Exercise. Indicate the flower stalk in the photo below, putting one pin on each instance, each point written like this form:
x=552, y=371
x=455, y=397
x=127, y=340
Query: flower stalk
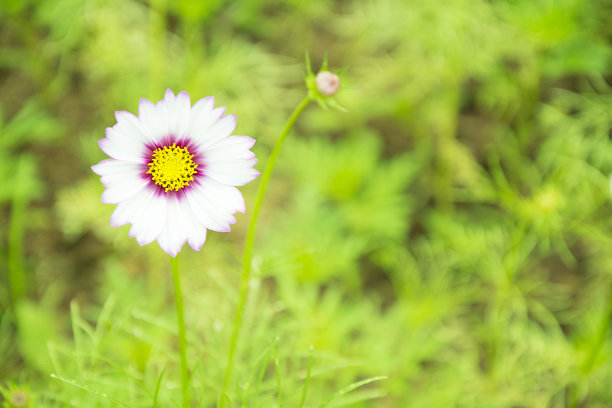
x=19, y=202
x=250, y=239
x=180, y=318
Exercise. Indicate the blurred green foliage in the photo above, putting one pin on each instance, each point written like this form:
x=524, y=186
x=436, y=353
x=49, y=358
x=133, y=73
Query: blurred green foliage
x=451, y=231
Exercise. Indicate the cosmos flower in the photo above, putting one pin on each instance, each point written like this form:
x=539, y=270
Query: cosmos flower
x=173, y=170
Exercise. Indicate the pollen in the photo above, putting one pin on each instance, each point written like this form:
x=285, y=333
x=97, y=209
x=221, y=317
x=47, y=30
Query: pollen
x=172, y=167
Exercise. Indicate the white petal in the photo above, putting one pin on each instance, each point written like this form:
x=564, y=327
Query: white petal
x=229, y=161
x=122, y=179
x=169, y=95
x=232, y=173
x=202, y=108
x=196, y=242
x=208, y=215
x=196, y=232
x=126, y=211
x=182, y=112
x=178, y=109
x=222, y=128
x=109, y=169
x=153, y=119
x=202, y=117
x=126, y=140
x=232, y=148
x=181, y=226
x=206, y=128
x=223, y=196
x=148, y=222
x=169, y=240
x=214, y=204
x=130, y=122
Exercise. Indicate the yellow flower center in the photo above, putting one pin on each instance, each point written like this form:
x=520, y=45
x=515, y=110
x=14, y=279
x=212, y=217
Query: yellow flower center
x=172, y=167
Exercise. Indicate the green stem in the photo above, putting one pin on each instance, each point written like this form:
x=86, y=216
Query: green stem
x=250, y=239
x=17, y=280
x=178, y=296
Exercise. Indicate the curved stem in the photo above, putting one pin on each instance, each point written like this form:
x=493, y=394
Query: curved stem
x=250, y=239
x=178, y=297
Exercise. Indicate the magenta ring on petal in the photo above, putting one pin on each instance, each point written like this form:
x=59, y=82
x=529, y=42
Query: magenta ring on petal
x=173, y=171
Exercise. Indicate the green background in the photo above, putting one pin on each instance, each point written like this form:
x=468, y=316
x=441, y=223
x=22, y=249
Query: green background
x=451, y=231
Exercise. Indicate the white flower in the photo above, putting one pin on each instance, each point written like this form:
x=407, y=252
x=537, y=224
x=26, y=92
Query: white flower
x=173, y=171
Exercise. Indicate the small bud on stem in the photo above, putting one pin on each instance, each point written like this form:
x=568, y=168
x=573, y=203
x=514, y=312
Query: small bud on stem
x=327, y=83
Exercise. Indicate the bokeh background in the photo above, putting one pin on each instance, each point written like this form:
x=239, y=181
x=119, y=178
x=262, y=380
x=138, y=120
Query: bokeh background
x=451, y=231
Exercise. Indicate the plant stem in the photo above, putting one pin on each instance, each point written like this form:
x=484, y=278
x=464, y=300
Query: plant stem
x=250, y=239
x=178, y=297
x=19, y=202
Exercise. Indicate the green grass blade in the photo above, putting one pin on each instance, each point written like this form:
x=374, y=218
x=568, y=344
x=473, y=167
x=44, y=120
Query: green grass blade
x=350, y=388
x=307, y=379
x=88, y=389
x=158, y=386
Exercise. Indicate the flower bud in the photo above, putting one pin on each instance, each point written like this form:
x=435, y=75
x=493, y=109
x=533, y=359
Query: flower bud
x=327, y=83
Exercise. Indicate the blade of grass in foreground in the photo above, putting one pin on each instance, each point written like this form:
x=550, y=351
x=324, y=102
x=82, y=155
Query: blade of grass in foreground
x=88, y=389
x=307, y=379
x=350, y=388
x=158, y=386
